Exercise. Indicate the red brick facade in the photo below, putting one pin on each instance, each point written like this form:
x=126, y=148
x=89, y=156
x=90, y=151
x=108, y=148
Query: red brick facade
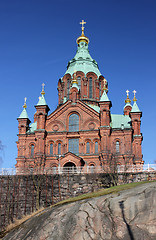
x=91, y=136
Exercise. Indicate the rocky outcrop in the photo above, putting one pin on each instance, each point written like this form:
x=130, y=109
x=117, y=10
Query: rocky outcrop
x=128, y=215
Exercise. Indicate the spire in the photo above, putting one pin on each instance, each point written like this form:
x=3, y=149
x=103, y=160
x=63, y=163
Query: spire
x=24, y=112
x=74, y=82
x=104, y=96
x=41, y=98
x=135, y=107
x=128, y=100
x=82, y=38
x=82, y=61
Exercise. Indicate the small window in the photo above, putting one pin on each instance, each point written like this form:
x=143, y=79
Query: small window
x=51, y=148
x=59, y=148
x=90, y=87
x=96, y=147
x=88, y=148
x=32, y=150
x=117, y=146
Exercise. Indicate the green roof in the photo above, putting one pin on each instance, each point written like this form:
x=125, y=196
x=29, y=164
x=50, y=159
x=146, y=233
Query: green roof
x=120, y=121
x=104, y=97
x=135, y=108
x=41, y=101
x=24, y=114
x=32, y=127
x=83, y=61
x=96, y=108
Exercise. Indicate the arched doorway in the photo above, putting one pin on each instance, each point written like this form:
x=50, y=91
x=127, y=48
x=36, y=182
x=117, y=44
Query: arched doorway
x=69, y=167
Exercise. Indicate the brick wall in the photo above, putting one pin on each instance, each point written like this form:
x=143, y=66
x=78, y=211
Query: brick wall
x=20, y=195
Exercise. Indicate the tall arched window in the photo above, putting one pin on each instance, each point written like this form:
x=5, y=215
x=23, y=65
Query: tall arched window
x=96, y=147
x=68, y=87
x=90, y=87
x=117, y=146
x=87, y=147
x=100, y=88
x=32, y=150
x=73, y=123
x=59, y=148
x=79, y=82
x=51, y=148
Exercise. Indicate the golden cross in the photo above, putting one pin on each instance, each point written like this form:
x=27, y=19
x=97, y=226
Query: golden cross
x=25, y=99
x=83, y=22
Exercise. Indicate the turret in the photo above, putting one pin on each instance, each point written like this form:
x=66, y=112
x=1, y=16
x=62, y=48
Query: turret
x=23, y=120
x=105, y=105
x=136, y=115
x=41, y=110
x=128, y=106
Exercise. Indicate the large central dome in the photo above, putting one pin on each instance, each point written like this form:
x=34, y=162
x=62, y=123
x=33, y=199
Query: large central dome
x=82, y=60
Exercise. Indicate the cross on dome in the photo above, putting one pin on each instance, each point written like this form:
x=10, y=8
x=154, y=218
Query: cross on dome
x=82, y=23
x=127, y=93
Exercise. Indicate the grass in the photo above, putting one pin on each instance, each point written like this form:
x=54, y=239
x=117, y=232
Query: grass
x=102, y=192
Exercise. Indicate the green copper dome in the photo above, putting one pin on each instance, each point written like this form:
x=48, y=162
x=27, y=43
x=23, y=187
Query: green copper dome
x=83, y=61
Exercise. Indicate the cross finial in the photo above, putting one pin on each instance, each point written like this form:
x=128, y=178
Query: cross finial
x=127, y=93
x=105, y=85
x=134, y=99
x=43, y=92
x=82, y=23
x=25, y=106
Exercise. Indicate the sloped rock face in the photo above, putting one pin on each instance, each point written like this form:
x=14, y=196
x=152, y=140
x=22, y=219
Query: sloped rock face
x=128, y=215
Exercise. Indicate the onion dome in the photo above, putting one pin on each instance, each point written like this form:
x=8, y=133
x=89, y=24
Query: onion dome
x=82, y=61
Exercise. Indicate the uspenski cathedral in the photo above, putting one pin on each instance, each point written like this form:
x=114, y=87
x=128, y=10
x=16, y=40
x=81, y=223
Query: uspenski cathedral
x=81, y=131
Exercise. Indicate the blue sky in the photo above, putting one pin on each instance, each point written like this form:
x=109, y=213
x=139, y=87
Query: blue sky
x=38, y=38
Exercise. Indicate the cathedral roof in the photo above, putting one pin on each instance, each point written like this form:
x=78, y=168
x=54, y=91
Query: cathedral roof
x=104, y=97
x=41, y=101
x=120, y=121
x=135, y=108
x=83, y=61
x=24, y=112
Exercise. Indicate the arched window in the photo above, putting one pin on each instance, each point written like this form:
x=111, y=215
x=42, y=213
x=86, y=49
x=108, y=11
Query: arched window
x=32, y=150
x=117, y=146
x=79, y=82
x=87, y=147
x=68, y=87
x=90, y=87
x=51, y=148
x=96, y=147
x=59, y=148
x=73, y=123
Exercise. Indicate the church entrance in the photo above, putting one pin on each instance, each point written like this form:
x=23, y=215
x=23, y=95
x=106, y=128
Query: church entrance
x=69, y=167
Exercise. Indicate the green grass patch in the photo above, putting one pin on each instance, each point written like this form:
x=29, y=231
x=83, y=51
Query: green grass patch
x=102, y=192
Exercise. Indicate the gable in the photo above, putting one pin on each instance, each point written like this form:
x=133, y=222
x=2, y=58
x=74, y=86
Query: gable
x=59, y=119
